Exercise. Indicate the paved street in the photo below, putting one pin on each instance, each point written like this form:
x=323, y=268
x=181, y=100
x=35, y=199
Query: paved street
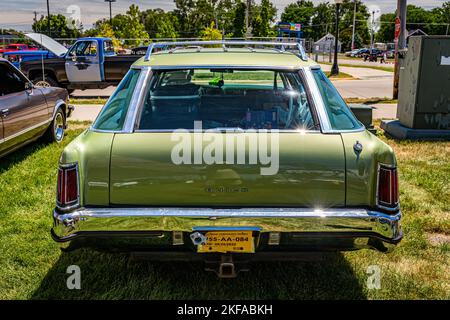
x=88, y=112
x=369, y=83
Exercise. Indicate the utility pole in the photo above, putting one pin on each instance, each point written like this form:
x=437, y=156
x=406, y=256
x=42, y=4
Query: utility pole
x=48, y=20
x=354, y=26
x=110, y=10
x=335, y=67
x=400, y=44
x=248, y=28
x=373, y=28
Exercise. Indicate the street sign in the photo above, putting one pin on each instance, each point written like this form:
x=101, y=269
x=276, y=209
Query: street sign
x=397, y=29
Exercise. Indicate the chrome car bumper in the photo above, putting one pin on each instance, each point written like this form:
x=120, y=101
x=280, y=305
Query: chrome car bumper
x=292, y=228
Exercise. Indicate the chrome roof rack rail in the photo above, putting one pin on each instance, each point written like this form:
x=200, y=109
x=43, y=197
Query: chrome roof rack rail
x=225, y=44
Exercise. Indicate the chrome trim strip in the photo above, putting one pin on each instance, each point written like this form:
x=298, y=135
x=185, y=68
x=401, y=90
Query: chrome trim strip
x=318, y=102
x=186, y=219
x=17, y=134
x=140, y=90
x=223, y=129
x=226, y=66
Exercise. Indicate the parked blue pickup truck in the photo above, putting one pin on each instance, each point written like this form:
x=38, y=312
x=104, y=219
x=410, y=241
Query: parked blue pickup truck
x=90, y=63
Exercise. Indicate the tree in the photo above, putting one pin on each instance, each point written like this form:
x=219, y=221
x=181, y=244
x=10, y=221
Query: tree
x=238, y=30
x=301, y=12
x=387, y=28
x=160, y=24
x=124, y=26
x=321, y=21
x=262, y=19
x=106, y=31
x=362, y=34
x=60, y=28
x=211, y=33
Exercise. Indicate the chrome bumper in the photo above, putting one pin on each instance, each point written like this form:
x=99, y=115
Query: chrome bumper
x=360, y=225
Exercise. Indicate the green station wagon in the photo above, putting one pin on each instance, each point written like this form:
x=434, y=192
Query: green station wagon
x=227, y=151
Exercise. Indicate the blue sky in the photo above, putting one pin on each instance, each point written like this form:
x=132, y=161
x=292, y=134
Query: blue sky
x=19, y=13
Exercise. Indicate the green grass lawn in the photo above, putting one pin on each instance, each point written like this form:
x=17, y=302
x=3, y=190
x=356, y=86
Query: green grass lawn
x=33, y=267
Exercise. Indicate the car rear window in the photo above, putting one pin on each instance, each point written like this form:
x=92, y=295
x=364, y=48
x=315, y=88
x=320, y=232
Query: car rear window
x=226, y=98
x=114, y=112
x=339, y=114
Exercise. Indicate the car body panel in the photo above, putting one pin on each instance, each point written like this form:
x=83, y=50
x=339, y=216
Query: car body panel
x=91, y=150
x=28, y=113
x=311, y=173
x=323, y=196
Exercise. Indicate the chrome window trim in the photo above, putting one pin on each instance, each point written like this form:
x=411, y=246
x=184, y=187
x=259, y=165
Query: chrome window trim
x=213, y=129
x=318, y=101
x=146, y=71
x=137, y=100
x=141, y=102
x=226, y=66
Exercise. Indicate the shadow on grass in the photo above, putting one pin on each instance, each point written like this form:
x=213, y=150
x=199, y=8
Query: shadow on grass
x=19, y=155
x=113, y=276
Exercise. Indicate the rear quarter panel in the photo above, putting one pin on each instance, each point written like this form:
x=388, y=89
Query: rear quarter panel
x=91, y=150
x=362, y=168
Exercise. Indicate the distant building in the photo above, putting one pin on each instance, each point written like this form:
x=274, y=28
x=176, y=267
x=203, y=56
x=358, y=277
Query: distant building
x=326, y=44
x=415, y=32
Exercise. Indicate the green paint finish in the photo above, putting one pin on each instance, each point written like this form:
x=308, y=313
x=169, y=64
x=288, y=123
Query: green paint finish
x=362, y=167
x=91, y=150
x=311, y=174
x=233, y=57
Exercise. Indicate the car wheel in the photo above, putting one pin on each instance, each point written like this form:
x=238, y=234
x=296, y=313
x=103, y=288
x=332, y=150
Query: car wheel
x=55, y=132
x=47, y=82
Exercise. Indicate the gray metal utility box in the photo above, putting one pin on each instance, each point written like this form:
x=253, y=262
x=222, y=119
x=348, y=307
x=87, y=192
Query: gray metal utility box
x=424, y=89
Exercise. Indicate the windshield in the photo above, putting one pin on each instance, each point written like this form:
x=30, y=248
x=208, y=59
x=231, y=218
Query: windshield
x=226, y=98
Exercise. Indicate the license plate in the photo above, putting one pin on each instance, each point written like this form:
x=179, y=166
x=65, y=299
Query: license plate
x=228, y=241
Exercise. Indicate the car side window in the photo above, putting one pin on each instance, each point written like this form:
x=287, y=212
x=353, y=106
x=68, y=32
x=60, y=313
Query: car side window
x=10, y=80
x=84, y=49
x=339, y=114
x=112, y=116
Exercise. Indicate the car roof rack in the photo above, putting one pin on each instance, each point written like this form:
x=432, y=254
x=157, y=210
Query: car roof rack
x=278, y=46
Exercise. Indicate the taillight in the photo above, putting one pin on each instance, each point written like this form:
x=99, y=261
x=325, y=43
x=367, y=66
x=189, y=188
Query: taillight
x=387, y=187
x=67, y=190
